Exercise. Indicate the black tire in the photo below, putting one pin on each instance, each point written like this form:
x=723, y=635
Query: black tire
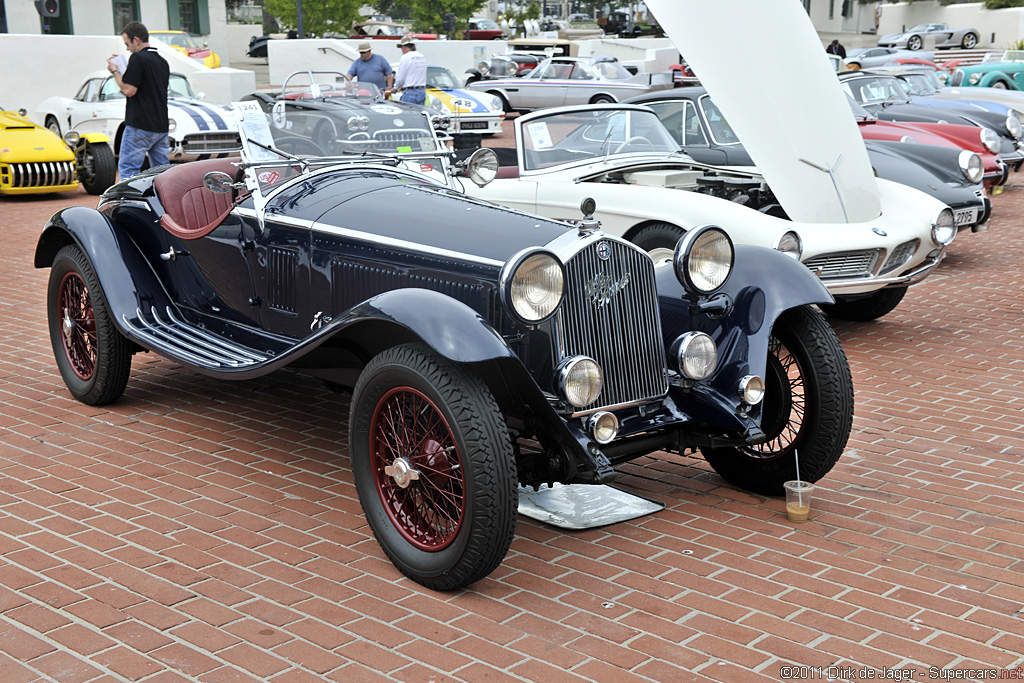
x=93, y=357
x=999, y=84
x=867, y=308
x=808, y=407
x=99, y=168
x=418, y=530
x=466, y=141
x=657, y=239
x=914, y=43
x=969, y=42
x=602, y=99
x=53, y=125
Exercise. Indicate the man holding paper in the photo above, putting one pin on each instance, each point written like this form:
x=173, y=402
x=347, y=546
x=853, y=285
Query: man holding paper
x=143, y=81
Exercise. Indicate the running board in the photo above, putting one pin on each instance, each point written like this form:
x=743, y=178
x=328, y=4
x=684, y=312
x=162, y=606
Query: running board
x=182, y=340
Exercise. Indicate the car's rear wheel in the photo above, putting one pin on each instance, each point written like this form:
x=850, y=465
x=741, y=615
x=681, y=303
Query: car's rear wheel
x=53, y=125
x=969, y=41
x=98, y=168
x=866, y=308
x=433, y=465
x=914, y=43
x=807, y=409
x=602, y=99
x=1000, y=85
x=93, y=357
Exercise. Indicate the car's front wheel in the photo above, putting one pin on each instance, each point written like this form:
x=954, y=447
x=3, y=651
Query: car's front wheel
x=93, y=357
x=969, y=41
x=807, y=412
x=97, y=167
x=914, y=43
x=659, y=240
x=53, y=125
x=866, y=308
x=434, y=468
x=1000, y=85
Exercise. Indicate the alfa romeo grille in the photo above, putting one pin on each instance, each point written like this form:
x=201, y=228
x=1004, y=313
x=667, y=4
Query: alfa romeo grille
x=900, y=255
x=610, y=313
x=958, y=77
x=42, y=174
x=844, y=264
x=208, y=143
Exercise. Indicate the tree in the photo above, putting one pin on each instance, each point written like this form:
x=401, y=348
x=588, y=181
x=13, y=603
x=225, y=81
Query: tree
x=427, y=15
x=319, y=16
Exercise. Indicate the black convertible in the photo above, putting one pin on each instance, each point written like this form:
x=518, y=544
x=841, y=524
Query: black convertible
x=485, y=347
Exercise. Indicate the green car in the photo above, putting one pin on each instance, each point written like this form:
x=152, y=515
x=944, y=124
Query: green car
x=1006, y=72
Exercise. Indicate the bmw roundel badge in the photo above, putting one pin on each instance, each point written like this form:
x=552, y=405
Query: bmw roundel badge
x=604, y=250
x=879, y=232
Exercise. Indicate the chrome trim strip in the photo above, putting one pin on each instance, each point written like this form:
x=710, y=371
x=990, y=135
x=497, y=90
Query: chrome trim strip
x=403, y=244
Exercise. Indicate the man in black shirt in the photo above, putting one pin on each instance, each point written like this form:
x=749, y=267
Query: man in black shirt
x=836, y=48
x=144, y=83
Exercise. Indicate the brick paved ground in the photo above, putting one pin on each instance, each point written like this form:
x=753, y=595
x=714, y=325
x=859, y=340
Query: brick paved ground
x=209, y=531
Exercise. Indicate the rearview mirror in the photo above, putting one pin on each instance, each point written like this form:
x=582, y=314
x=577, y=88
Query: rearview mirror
x=219, y=182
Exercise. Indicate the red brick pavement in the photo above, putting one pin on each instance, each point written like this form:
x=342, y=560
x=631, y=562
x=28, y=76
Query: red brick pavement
x=201, y=530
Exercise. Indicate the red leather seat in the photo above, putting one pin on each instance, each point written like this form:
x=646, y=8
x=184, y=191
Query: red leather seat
x=192, y=211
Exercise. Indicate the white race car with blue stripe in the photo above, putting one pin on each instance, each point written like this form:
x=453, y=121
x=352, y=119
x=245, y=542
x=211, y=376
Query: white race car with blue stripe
x=470, y=112
x=198, y=130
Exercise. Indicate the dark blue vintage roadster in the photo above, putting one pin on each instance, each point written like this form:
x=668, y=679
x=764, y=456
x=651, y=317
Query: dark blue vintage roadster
x=485, y=347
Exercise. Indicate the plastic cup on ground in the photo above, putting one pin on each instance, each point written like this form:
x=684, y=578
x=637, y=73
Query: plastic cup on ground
x=798, y=500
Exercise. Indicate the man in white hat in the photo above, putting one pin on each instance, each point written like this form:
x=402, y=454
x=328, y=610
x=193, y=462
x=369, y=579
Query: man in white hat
x=371, y=68
x=411, y=77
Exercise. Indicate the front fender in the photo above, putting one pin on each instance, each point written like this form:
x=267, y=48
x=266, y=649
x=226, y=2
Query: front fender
x=95, y=138
x=991, y=79
x=125, y=277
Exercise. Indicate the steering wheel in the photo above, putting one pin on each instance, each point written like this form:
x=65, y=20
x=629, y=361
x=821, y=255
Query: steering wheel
x=629, y=141
x=298, y=146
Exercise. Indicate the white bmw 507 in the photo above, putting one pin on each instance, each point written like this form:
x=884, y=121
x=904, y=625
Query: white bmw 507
x=198, y=130
x=815, y=197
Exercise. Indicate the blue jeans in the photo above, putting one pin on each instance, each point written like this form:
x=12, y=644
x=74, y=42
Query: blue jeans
x=135, y=144
x=415, y=96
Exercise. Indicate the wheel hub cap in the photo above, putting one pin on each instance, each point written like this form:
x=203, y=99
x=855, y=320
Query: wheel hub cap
x=402, y=472
x=68, y=326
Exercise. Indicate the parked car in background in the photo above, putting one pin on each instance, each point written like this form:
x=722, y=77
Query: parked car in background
x=35, y=160
x=472, y=113
x=945, y=37
x=479, y=28
x=198, y=130
x=1004, y=71
x=867, y=57
x=572, y=80
x=887, y=98
x=377, y=28
x=183, y=43
x=484, y=348
x=953, y=176
x=521, y=57
x=258, y=46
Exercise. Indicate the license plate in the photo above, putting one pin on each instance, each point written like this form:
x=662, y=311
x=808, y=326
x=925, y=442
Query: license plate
x=472, y=125
x=966, y=216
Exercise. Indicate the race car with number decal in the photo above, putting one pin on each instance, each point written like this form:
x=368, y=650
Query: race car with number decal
x=198, y=130
x=471, y=112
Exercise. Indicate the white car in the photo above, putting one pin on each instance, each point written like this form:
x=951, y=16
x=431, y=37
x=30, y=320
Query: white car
x=198, y=130
x=816, y=197
x=868, y=57
x=473, y=113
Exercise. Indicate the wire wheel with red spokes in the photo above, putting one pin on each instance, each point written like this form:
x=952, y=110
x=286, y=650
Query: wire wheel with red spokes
x=433, y=465
x=93, y=357
x=417, y=469
x=807, y=408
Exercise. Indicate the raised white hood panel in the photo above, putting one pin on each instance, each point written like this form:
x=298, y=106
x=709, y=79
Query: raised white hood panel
x=766, y=69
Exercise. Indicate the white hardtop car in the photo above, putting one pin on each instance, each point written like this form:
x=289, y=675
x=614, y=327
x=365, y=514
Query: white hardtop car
x=815, y=196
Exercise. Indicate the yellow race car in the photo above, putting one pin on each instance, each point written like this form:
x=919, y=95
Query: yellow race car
x=34, y=160
x=183, y=43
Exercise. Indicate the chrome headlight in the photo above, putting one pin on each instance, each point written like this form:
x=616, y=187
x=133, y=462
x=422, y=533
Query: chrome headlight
x=437, y=105
x=990, y=139
x=695, y=355
x=907, y=138
x=1013, y=124
x=171, y=125
x=751, y=390
x=482, y=166
x=511, y=68
x=495, y=103
x=941, y=75
x=364, y=123
x=440, y=121
x=943, y=228
x=352, y=123
x=603, y=426
x=532, y=286
x=483, y=67
x=71, y=138
x=703, y=259
x=974, y=78
x=580, y=380
x=791, y=245
x=970, y=165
